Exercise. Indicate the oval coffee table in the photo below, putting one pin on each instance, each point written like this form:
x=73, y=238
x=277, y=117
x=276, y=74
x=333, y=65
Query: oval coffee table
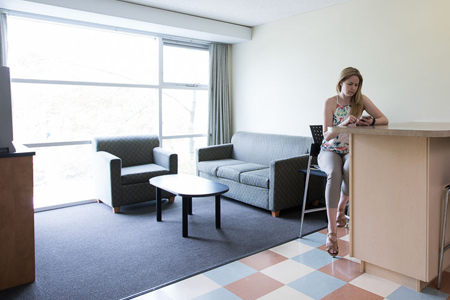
x=187, y=186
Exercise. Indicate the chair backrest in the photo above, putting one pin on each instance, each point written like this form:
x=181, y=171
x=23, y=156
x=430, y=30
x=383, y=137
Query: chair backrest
x=317, y=134
x=133, y=150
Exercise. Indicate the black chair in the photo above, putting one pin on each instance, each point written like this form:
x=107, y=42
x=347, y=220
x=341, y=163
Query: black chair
x=443, y=249
x=314, y=170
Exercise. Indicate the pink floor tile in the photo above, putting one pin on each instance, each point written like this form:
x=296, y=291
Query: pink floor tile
x=263, y=260
x=343, y=269
x=253, y=286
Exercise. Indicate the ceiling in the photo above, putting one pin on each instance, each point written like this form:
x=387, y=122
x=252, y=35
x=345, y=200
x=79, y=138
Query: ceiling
x=248, y=13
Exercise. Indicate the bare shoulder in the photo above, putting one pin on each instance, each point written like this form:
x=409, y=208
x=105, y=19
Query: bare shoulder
x=330, y=101
x=365, y=98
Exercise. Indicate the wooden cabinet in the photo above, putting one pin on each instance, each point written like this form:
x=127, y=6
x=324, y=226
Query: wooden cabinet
x=398, y=175
x=17, y=252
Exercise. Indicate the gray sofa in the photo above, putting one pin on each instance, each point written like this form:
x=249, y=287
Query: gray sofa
x=261, y=169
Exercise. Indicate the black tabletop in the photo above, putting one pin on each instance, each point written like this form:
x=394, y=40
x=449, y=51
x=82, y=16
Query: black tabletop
x=188, y=185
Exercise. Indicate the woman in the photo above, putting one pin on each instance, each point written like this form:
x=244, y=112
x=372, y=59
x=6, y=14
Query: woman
x=344, y=109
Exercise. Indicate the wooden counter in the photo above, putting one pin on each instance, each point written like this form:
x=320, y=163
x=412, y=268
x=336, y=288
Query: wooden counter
x=398, y=174
x=17, y=255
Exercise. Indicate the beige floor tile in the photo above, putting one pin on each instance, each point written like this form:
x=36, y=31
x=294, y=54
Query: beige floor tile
x=346, y=238
x=291, y=249
x=287, y=271
x=375, y=284
x=285, y=292
x=190, y=288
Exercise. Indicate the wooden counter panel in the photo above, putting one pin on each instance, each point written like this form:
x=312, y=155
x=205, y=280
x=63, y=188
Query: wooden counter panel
x=383, y=233
x=17, y=252
x=439, y=177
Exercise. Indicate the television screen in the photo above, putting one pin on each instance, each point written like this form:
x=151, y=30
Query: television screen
x=6, y=133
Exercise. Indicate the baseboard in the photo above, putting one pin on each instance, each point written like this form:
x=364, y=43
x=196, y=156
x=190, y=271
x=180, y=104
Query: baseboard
x=40, y=209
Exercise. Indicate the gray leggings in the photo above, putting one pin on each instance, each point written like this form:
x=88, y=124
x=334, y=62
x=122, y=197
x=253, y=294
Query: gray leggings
x=336, y=166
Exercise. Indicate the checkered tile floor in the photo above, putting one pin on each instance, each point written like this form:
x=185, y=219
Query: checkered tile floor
x=300, y=269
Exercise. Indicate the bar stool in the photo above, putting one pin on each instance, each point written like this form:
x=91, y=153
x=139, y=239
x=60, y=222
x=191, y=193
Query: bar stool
x=314, y=150
x=443, y=249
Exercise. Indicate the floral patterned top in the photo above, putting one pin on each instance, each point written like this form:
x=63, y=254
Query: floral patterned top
x=340, y=143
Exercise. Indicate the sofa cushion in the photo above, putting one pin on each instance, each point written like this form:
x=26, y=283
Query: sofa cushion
x=233, y=172
x=211, y=166
x=258, y=178
x=142, y=173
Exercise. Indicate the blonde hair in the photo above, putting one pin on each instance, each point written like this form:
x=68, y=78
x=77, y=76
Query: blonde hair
x=356, y=101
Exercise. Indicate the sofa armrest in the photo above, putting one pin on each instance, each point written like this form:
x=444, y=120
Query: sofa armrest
x=215, y=152
x=107, y=172
x=166, y=159
x=287, y=183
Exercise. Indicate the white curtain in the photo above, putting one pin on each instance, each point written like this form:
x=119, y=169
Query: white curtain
x=219, y=96
x=3, y=40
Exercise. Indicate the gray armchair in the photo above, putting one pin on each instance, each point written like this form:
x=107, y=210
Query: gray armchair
x=123, y=166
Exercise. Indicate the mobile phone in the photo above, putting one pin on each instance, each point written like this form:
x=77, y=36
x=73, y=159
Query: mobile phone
x=366, y=117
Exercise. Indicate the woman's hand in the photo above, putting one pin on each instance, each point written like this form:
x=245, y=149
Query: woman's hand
x=365, y=121
x=350, y=120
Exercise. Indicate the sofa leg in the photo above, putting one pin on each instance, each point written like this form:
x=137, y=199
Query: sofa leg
x=171, y=199
x=276, y=214
x=116, y=209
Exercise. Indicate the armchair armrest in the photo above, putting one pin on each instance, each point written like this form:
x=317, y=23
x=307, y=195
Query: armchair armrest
x=107, y=172
x=166, y=159
x=215, y=152
x=287, y=183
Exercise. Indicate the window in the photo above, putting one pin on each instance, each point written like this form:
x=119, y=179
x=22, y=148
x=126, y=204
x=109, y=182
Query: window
x=185, y=101
x=72, y=82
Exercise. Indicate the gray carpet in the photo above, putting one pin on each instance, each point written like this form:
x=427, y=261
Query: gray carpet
x=87, y=252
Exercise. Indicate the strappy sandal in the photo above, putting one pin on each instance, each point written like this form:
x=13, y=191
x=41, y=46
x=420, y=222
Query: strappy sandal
x=341, y=221
x=332, y=245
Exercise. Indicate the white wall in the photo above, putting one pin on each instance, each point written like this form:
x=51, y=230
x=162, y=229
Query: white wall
x=282, y=77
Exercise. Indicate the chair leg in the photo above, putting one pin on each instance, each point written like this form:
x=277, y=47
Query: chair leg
x=305, y=195
x=444, y=226
x=171, y=199
x=116, y=209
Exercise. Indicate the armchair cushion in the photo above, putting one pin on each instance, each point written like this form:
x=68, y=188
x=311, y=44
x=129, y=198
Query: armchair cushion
x=142, y=173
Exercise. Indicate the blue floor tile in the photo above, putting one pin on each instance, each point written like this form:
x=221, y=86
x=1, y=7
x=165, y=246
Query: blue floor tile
x=427, y=294
x=314, y=240
x=314, y=258
x=230, y=273
x=219, y=294
x=317, y=284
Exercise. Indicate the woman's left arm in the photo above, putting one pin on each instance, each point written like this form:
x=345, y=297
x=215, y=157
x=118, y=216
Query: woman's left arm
x=380, y=118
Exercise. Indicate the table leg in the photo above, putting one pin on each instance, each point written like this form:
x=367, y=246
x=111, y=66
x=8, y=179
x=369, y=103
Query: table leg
x=158, y=204
x=186, y=201
x=217, y=211
x=190, y=206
